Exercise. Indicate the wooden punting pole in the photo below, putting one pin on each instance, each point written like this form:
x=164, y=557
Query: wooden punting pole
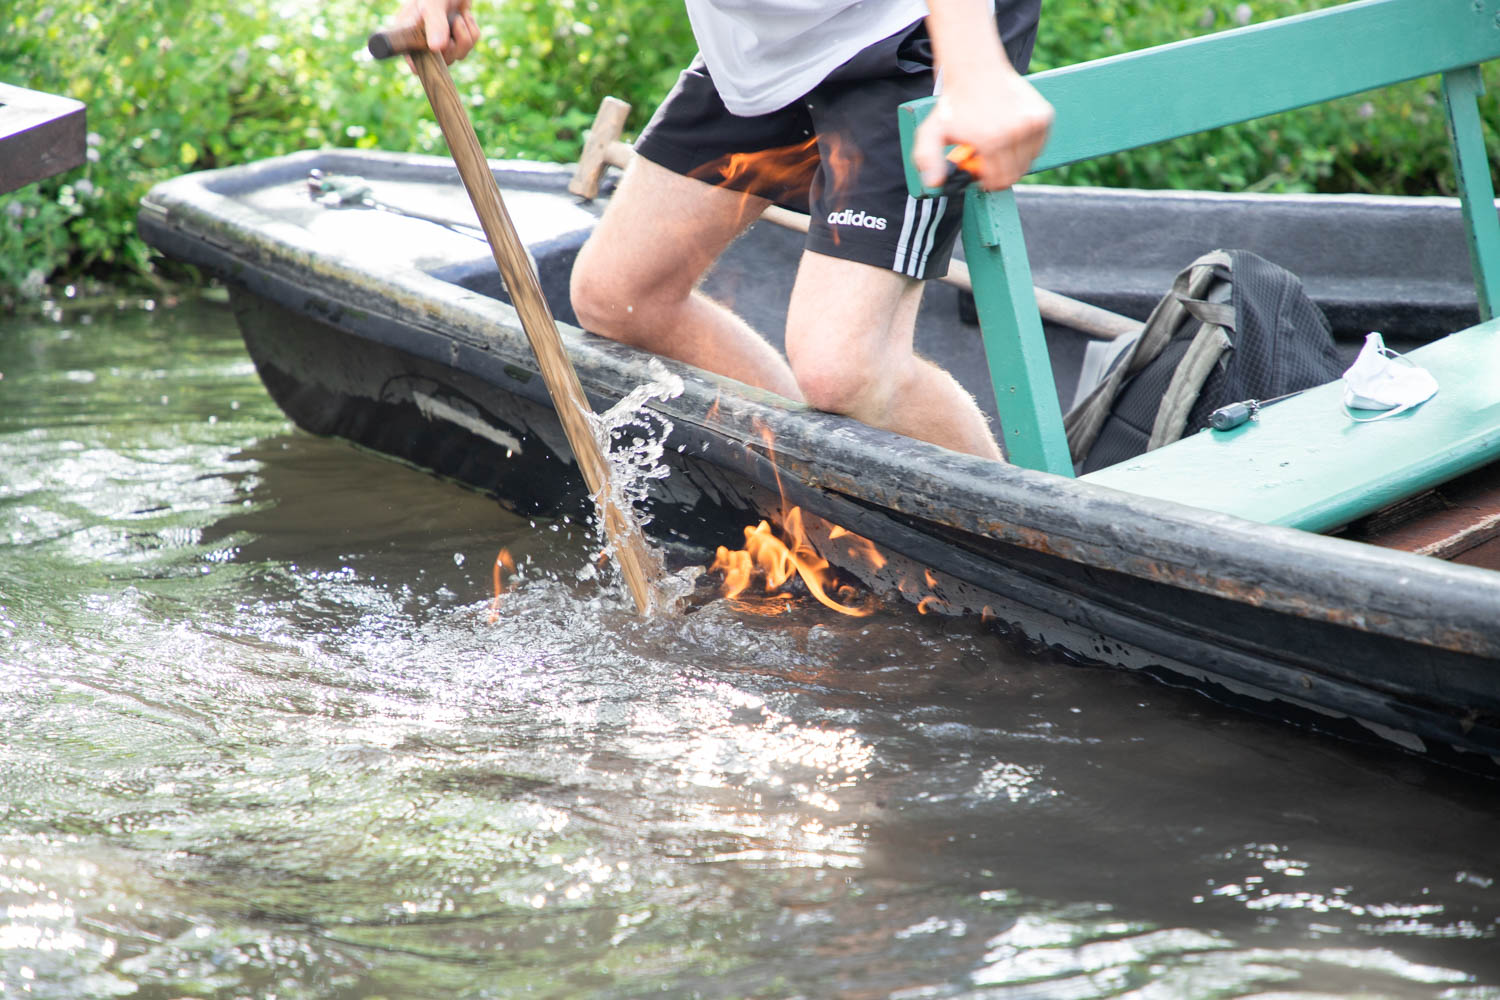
x=635, y=559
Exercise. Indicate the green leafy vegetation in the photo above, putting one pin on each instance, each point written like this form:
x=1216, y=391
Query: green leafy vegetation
x=178, y=85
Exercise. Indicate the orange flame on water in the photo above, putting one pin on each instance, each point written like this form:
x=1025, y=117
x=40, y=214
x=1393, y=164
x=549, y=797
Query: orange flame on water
x=502, y=559
x=858, y=547
x=777, y=560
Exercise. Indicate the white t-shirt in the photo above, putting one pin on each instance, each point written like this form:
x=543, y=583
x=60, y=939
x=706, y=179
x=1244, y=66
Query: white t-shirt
x=764, y=54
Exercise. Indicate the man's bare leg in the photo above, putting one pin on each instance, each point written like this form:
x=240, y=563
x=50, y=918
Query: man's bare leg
x=636, y=278
x=849, y=337
x=849, y=326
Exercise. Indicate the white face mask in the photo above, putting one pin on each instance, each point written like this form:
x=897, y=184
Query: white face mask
x=1381, y=379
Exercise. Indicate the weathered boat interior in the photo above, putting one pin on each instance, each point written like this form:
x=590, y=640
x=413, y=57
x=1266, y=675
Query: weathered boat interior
x=1115, y=249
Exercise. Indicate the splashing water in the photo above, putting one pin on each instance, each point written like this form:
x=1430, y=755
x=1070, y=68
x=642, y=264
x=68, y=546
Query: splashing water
x=636, y=464
x=633, y=438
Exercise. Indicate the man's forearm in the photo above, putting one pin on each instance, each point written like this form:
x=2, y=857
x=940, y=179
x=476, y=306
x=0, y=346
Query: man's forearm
x=963, y=36
x=984, y=103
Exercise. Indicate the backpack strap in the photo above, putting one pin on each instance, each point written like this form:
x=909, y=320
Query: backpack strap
x=1209, y=345
x=1084, y=421
x=1219, y=314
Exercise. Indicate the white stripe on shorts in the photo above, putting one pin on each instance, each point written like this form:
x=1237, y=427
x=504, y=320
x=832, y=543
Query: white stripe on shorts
x=913, y=240
x=899, y=264
x=937, y=218
x=919, y=236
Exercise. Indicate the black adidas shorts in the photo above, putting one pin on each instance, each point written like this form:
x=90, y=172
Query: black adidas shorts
x=835, y=153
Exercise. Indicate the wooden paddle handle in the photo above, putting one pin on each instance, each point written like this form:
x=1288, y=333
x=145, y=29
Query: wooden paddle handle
x=388, y=42
x=635, y=559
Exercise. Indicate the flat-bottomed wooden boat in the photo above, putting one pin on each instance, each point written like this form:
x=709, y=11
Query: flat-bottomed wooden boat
x=1196, y=563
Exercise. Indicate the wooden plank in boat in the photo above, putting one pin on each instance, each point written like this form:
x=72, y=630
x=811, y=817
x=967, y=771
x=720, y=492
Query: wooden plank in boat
x=40, y=135
x=1458, y=517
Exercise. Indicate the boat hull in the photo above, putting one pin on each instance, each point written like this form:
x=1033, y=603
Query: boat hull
x=1299, y=626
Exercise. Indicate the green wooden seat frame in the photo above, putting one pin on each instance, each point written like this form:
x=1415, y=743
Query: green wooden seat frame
x=1140, y=98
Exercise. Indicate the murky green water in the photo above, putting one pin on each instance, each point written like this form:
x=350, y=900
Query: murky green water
x=260, y=739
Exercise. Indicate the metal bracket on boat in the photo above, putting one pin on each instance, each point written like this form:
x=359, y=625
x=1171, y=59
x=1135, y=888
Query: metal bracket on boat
x=1227, y=418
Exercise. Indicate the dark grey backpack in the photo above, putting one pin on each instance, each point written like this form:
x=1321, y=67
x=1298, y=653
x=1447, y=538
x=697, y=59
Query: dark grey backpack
x=1233, y=327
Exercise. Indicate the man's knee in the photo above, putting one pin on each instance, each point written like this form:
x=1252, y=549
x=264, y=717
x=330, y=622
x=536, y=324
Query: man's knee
x=834, y=383
x=848, y=334
x=616, y=302
x=596, y=295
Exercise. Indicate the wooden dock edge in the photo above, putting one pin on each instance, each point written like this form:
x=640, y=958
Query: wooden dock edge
x=41, y=135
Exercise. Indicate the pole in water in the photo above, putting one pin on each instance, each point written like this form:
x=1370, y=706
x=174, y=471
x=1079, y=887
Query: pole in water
x=635, y=559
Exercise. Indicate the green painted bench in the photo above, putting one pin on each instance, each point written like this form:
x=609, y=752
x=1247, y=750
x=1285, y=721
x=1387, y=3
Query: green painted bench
x=1333, y=471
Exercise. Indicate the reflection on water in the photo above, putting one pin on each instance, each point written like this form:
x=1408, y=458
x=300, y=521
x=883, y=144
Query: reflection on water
x=260, y=739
